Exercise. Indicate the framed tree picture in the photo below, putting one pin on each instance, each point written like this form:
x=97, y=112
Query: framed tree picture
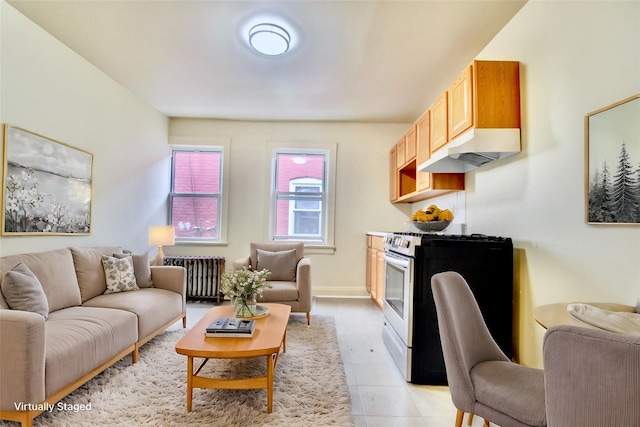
x=46, y=186
x=612, y=171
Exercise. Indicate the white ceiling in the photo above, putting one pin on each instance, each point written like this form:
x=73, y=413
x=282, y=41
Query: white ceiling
x=382, y=61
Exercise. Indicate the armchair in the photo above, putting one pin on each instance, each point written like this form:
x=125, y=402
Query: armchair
x=290, y=277
x=591, y=377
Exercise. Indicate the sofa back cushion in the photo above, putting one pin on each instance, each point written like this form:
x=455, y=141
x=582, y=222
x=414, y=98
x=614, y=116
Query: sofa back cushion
x=89, y=269
x=54, y=270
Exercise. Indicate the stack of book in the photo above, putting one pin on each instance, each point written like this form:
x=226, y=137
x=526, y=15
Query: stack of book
x=231, y=327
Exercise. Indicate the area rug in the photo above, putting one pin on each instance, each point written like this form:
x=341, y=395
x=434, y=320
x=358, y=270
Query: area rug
x=310, y=387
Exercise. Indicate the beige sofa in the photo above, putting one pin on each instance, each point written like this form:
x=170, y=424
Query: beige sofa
x=44, y=358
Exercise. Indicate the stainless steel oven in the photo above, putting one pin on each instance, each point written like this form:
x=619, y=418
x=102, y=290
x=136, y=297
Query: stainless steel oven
x=410, y=329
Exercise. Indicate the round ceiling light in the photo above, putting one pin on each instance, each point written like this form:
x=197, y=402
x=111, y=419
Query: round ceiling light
x=269, y=39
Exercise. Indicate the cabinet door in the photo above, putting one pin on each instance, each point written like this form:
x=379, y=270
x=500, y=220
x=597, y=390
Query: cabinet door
x=410, y=145
x=438, y=132
x=460, y=100
x=423, y=151
x=371, y=272
x=400, y=153
x=393, y=175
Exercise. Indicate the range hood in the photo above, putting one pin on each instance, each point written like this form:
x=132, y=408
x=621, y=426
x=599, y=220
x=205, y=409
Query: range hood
x=473, y=149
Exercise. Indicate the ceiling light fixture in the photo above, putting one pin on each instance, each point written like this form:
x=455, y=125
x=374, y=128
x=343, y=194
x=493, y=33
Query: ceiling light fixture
x=269, y=39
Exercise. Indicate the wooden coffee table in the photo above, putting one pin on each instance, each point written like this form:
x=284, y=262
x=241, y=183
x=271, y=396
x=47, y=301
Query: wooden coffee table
x=269, y=336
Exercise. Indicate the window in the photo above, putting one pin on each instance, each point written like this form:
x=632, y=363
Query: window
x=196, y=198
x=302, y=188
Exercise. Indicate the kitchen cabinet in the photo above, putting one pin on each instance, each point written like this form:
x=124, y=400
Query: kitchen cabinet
x=375, y=268
x=422, y=150
x=485, y=95
x=393, y=175
x=407, y=183
x=438, y=130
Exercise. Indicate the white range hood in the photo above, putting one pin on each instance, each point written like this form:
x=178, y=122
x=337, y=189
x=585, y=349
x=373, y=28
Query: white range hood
x=473, y=149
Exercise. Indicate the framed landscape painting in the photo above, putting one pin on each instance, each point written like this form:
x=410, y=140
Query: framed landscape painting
x=46, y=186
x=612, y=146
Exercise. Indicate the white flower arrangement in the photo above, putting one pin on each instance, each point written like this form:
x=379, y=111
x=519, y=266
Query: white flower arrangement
x=245, y=283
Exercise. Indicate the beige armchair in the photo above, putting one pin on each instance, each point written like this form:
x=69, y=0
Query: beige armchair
x=591, y=377
x=290, y=277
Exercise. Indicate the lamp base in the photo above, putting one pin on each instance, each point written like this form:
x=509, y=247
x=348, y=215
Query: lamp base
x=160, y=257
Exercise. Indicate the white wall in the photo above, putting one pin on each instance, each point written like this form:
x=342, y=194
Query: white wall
x=576, y=57
x=48, y=89
x=361, y=196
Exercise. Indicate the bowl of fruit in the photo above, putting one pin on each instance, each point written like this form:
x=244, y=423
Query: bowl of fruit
x=432, y=219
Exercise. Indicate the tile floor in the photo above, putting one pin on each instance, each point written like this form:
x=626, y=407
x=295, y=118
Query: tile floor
x=379, y=395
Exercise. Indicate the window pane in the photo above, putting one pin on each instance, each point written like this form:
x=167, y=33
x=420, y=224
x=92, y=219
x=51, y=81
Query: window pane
x=295, y=166
x=196, y=172
x=195, y=217
x=306, y=223
x=307, y=203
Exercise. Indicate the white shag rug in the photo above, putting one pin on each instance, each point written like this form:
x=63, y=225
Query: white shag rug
x=310, y=387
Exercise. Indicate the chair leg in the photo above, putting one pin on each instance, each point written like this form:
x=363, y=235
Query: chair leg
x=459, y=417
x=486, y=423
x=308, y=318
x=470, y=419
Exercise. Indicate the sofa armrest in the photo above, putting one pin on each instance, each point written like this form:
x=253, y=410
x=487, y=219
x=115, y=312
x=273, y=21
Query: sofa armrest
x=303, y=277
x=22, y=353
x=242, y=262
x=171, y=278
x=591, y=377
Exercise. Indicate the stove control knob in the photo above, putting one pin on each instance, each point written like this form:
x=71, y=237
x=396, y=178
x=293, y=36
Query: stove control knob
x=406, y=243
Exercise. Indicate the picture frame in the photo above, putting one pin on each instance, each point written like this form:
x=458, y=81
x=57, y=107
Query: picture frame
x=612, y=163
x=46, y=185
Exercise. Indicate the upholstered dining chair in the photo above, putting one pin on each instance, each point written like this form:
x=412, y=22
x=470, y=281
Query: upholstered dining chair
x=482, y=379
x=592, y=377
x=290, y=277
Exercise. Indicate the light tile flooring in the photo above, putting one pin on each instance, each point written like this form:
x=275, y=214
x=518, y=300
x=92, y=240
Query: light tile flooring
x=379, y=395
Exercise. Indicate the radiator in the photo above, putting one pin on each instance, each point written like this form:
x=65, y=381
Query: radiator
x=203, y=275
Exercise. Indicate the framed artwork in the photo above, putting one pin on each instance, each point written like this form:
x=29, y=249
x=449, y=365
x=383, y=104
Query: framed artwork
x=612, y=170
x=46, y=186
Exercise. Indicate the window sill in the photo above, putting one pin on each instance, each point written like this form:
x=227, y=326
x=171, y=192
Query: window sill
x=319, y=249
x=200, y=243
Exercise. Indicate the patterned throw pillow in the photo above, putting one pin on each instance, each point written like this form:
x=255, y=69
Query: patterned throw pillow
x=119, y=274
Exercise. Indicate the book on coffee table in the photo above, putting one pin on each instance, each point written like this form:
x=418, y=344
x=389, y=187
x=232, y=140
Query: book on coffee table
x=231, y=327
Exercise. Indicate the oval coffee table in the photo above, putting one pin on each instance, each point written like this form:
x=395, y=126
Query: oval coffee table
x=269, y=336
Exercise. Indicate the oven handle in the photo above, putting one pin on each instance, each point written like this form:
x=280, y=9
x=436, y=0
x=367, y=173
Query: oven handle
x=398, y=261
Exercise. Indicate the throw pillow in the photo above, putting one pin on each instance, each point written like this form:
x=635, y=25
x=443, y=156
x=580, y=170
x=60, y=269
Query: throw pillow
x=141, y=269
x=119, y=274
x=23, y=291
x=282, y=264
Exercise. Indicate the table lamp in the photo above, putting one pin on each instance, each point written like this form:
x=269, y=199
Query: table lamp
x=161, y=235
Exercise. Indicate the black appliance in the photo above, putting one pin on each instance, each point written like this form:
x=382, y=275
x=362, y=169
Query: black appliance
x=486, y=263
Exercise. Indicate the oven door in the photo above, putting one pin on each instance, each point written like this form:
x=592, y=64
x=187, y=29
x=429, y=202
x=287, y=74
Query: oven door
x=398, y=294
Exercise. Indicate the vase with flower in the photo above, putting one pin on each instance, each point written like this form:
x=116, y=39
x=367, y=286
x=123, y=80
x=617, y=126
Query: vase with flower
x=243, y=288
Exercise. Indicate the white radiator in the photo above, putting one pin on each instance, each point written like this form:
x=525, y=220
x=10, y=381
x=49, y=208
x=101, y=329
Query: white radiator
x=203, y=275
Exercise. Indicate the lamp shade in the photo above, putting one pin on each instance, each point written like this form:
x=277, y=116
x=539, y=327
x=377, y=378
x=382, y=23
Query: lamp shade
x=162, y=235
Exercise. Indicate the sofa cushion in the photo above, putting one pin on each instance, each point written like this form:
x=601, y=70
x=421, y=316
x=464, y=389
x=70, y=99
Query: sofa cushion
x=54, y=269
x=281, y=264
x=141, y=268
x=279, y=291
x=119, y=274
x=154, y=307
x=79, y=339
x=89, y=270
x=22, y=291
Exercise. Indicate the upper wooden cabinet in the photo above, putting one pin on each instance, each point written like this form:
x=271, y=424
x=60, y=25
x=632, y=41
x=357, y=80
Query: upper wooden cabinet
x=393, y=175
x=439, y=131
x=410, y=145
x=422, y=130
x=485, y=95
x=460, y=104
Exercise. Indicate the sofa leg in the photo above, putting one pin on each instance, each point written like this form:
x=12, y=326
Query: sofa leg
x=184, y=322
x=134, y=354
x=308, y=318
